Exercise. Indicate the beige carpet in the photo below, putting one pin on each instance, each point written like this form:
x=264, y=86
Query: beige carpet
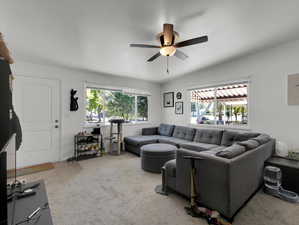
x=113, y=190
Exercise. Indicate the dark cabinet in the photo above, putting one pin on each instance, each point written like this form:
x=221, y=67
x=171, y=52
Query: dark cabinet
x=290, y=172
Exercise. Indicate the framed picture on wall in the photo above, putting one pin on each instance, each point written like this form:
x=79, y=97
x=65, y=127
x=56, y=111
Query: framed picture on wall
x=168, y=99
x=179, y=108
x=179, y=95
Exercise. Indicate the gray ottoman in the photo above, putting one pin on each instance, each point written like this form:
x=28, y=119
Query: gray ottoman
x=153, y=156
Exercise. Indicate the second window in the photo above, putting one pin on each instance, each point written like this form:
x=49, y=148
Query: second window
x=220, y=105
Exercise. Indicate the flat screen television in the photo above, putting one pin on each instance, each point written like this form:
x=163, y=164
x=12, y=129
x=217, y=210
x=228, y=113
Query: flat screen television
x=7, y=178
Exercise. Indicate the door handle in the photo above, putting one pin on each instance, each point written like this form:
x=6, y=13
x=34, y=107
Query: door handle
x=56, y=126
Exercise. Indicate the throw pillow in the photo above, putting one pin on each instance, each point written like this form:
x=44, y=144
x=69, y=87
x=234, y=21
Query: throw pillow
x=245, y=136
x=232, y=151
x=249, y=144
x=262, y=139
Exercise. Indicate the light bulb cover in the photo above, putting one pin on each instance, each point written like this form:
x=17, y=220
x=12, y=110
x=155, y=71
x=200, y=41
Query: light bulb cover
x=168, y=50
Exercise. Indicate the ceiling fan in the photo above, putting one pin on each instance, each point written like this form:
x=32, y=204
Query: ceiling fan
x=168, y=46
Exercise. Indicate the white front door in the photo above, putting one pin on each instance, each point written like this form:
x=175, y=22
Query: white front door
x=36, y=102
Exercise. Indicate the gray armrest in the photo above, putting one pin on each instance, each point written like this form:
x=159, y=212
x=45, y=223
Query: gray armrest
x=224, y=184
x=246, y=173
x=150, y=131
x=212, y=178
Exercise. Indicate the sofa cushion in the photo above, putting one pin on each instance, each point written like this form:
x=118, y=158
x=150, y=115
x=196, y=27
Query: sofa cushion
x=249, y=144
x=209, y=136
x=170, y=168
x=262, y=139
x=171, y=140
x=185, y=133
x=166, y=129
x=231, y=151
x=230, y=137
x=195, y=146
x=149, y=131
x=141, y=140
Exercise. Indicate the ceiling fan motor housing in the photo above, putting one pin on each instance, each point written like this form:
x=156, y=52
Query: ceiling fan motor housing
x=160, y=38
x=168, y=36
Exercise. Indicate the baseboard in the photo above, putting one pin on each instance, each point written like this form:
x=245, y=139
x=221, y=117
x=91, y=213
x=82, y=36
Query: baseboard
x=34, y=169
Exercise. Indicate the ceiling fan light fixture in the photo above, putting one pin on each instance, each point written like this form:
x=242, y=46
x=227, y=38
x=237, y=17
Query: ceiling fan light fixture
x=168, y=43
x=168, y=50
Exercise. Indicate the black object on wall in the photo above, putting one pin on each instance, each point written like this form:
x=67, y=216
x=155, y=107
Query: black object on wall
x=6, y=103
x=9, y=120
x=179, y=95
x=74, y=101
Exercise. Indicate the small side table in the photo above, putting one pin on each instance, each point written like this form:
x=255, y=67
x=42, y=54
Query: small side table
x=290, y=172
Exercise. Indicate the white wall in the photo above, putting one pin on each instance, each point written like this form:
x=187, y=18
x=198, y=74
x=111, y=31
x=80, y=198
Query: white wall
x=73, y=122
x=268, y=70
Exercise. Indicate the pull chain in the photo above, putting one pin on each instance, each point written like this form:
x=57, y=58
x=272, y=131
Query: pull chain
x=167, y=70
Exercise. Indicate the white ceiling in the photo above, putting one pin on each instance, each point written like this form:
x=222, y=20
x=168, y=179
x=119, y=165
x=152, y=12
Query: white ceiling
x=95, y=35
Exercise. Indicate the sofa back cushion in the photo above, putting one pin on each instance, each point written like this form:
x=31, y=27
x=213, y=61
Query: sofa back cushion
x=166, y=129
x=209, y=136
x=185, y=133
x=230, y=137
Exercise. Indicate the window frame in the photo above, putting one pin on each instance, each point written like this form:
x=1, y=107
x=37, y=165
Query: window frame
x=215, y=85
x=124, y=91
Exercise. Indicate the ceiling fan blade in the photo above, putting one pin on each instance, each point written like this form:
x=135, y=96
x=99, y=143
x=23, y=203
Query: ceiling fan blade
x=192, y=41
x=144, y=46
x=181, y=55
x=168, y=33
x=154, y=57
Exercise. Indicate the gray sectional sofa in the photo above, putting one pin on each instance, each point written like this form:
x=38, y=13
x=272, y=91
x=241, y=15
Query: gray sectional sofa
x=232, y=168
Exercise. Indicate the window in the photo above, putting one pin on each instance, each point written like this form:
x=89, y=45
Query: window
x=103, y=105
x=220, y=105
